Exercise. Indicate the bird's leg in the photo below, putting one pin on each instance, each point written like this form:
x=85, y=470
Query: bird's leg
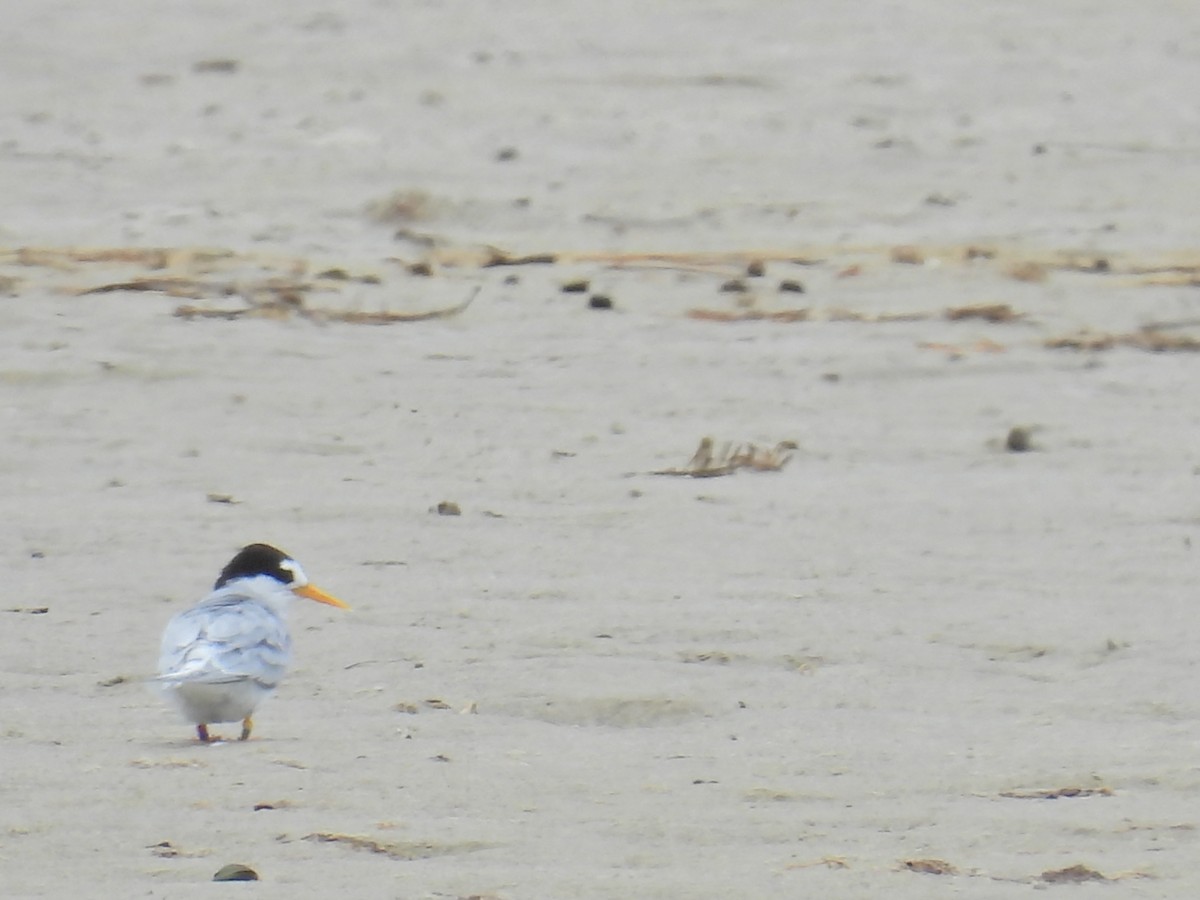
x=247, y=725
x=202, y=733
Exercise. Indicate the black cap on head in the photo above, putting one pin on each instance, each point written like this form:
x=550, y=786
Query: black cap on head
x=258, y=559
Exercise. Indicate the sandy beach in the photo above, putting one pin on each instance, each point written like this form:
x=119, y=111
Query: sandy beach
x=443, y=298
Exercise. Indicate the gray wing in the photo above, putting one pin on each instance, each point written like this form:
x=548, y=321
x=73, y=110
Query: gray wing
x=233, y=639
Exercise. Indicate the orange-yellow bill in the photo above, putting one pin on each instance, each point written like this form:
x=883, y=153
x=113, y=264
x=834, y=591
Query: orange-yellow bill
x=312, y=592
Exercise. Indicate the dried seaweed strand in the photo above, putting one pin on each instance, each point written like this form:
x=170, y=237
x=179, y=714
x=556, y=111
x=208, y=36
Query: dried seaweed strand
x=1149, y=340
x=803, y=315
x=705, y=463
x=286, y=303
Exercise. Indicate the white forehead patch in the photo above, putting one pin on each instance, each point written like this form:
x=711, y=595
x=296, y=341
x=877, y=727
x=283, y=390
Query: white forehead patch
x=299, y=579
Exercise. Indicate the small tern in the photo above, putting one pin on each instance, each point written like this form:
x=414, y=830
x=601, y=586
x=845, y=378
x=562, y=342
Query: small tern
x=224, y=656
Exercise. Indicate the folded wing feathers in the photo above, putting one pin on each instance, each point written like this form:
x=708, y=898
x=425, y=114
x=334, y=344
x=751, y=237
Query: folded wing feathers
x=228, y=640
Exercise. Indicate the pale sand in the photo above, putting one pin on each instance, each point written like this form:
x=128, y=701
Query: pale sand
x=776, y=684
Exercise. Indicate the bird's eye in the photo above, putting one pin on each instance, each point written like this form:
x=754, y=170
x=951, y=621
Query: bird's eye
x=293, y=568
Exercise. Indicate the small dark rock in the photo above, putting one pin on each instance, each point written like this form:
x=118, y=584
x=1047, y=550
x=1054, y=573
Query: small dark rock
x=791, y=286
x=579, y=286
x=734, y=286
x=600, y=301
x=1019, y=440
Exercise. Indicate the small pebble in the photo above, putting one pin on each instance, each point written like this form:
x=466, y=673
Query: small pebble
x=600, y=301
x=791, y=286
x=1018, y=440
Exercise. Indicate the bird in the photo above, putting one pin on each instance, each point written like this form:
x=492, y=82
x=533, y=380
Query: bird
x=224, y=656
